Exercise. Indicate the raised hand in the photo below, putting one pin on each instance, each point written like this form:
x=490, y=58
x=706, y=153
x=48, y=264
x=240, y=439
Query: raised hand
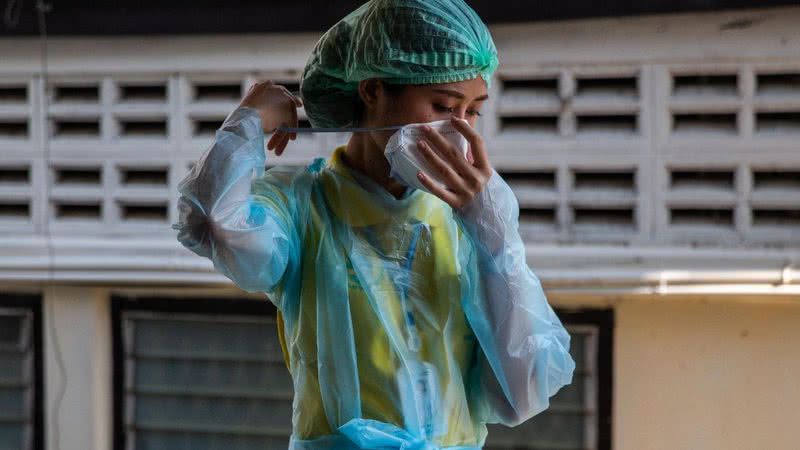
x=464, y=178
x=277, y=107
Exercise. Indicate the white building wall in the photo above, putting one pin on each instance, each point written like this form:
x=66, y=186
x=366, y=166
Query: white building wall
x=77, y=367
x=596, y=163
x=596, y=262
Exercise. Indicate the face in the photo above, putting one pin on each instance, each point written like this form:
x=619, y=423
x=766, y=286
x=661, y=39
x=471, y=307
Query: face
x=421, y=103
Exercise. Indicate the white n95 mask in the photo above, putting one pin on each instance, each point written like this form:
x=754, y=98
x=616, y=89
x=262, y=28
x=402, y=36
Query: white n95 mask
x=405, y=158
x=402, y=152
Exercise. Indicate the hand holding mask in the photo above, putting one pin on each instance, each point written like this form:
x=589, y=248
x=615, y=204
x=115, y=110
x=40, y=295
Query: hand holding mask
x=453, y=165
x=406, y=159
x=450, y=162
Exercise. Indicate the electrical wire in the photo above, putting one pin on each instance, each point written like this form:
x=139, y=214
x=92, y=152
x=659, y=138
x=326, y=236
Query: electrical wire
x=42, y=9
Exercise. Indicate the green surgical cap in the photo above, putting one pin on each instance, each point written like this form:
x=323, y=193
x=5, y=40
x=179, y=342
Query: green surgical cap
x=399, y=41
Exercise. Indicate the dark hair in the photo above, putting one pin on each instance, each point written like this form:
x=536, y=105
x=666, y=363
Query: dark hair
x=393, y=89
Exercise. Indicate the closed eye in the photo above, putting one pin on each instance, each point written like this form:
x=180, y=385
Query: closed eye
x=443, y=108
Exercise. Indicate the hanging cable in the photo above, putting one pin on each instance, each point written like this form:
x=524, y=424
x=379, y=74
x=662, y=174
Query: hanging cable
x=11, y=18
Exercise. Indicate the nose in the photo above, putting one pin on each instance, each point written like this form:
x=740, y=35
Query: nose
x=460, y=113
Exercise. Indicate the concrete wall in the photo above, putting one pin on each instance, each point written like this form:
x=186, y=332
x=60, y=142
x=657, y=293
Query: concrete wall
x=77, y=368
x=689, y=372
x=706, y=375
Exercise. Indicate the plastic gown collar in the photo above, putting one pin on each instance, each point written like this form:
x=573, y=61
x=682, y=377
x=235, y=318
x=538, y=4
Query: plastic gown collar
x=357, y=200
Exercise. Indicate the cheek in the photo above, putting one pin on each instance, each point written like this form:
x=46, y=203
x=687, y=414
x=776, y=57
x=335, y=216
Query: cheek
x=414, y=112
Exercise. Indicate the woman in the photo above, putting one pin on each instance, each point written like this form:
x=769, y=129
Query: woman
x=408, y=319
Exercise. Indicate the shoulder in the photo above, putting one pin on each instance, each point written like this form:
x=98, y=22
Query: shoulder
x=288, y=176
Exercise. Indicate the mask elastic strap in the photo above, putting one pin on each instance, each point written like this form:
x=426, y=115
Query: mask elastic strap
x=335, y=130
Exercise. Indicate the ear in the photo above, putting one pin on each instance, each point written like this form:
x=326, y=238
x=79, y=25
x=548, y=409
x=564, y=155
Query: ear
x=369, y=91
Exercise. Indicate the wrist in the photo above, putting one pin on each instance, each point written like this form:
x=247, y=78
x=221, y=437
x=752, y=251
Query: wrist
x=482, y=200
x=491, y=217
x=245, y=121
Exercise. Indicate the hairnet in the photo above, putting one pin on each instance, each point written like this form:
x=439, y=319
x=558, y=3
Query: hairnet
x=400, y=41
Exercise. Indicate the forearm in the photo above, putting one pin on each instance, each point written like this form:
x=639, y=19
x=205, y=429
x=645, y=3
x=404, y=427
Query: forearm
x=525, y=346
x=235, y=156
x=218, y=217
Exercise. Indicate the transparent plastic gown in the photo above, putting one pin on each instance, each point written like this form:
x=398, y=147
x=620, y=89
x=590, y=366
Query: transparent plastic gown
x=405, y=324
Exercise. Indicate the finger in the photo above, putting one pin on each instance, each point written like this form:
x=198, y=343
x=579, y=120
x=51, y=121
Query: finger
x=276, y=138
x=282, y=144
x=279, y=149
x=475, y=142
x=294, y=123
x=453, y=180
x=445, y=148
x=297, y=100
x=261, y=85
x=285, y=91
x=297, y=104
x=272, y=140
x=438, y=190
x=278, y=146
x=454, y=157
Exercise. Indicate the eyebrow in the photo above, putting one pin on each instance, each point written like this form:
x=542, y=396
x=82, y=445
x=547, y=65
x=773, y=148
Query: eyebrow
x=459, y=94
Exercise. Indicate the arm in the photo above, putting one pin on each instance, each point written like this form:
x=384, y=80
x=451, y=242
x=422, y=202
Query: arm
x=234, y=214
x=524, y=348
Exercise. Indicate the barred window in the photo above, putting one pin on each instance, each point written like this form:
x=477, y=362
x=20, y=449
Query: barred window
x=199, y=374
x=661, y=152
x=579, y=416
x=20, y=373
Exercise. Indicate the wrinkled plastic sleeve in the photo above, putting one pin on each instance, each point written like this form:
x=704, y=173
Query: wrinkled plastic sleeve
x=230, y=213
x=524, y=357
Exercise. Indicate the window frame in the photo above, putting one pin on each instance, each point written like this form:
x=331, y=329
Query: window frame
x=120, y=304
x=603, y=321
x=596, y=326
x=33, y=304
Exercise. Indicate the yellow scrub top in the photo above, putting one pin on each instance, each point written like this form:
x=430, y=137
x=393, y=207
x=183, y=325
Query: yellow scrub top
x=446, y=339
x=404, y=323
